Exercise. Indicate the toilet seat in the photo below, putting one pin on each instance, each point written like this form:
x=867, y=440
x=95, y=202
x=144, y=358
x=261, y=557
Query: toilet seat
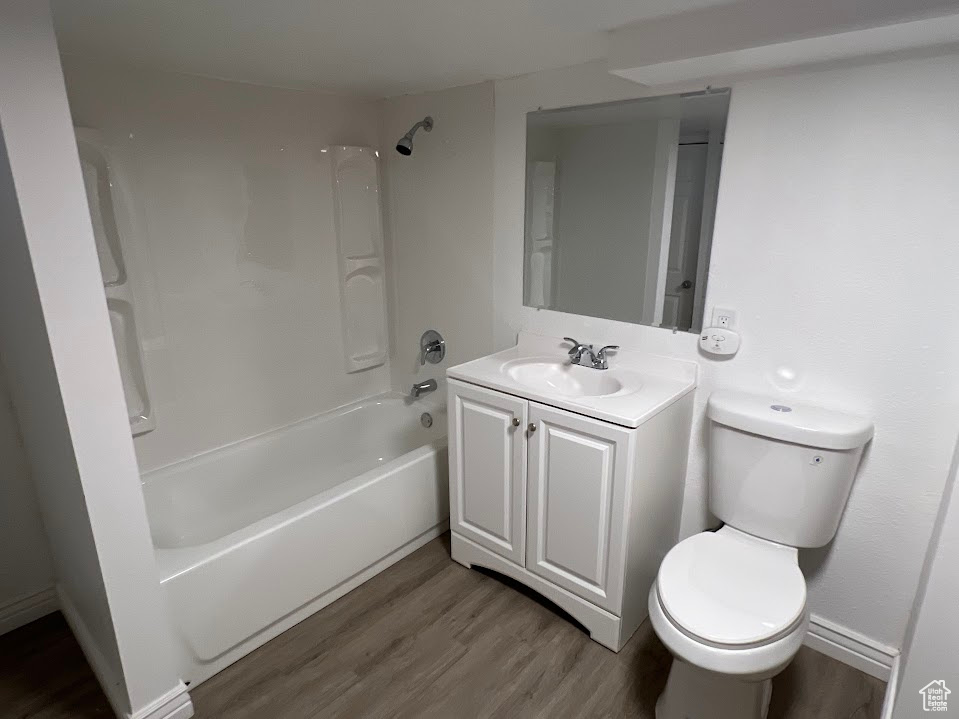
x=728, y=589
x=750, y=663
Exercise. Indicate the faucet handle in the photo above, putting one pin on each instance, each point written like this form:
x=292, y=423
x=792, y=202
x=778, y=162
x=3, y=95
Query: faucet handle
x=577, y=346
x=603, y=350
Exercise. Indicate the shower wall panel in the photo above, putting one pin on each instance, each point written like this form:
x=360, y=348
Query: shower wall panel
x=238, y=303
x=108, y=196
x=359, y=232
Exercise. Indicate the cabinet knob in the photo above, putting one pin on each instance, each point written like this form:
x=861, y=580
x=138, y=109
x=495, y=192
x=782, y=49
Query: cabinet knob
x=531, y=428
x=516, y=421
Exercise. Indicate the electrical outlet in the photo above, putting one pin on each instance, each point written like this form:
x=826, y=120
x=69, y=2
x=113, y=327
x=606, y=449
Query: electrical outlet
x=724, y=318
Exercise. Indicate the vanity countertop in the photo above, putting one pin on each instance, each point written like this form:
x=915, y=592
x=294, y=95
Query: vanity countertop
x=634, y=388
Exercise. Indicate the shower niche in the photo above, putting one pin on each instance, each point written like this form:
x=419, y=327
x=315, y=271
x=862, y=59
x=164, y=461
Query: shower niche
x=359, y=237
x=104, y=189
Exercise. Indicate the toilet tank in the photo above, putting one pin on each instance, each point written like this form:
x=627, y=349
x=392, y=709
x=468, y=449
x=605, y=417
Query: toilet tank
x=781, y=470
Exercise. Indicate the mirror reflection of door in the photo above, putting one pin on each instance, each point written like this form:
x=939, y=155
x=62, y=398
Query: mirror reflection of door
x=684, y=236
x=540, y=232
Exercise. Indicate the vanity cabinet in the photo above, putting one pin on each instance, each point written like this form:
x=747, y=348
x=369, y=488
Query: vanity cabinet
x=488, y=449
x=577, y=475
x=579, y=509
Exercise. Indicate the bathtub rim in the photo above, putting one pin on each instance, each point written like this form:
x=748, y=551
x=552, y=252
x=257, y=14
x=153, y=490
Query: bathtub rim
x=434, y=402
x=173, y=561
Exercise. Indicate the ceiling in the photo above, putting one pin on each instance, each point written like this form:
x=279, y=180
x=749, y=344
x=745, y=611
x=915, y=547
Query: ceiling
x=699, y=111
x=370, y=47
x=383, y=48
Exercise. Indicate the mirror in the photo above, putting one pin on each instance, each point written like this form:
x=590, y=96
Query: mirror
x=620, y=199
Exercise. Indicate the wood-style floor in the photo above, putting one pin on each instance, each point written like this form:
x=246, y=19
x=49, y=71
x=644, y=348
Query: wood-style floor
x=425, y=638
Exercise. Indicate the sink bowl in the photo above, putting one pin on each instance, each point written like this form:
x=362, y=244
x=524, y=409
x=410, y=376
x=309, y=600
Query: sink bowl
x=563, y=378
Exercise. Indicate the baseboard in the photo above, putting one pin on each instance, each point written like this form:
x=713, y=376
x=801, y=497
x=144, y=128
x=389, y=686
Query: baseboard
x=892, y=689
x=175, y=704
x=851, y=648
x=101, y=668
x=27, y=607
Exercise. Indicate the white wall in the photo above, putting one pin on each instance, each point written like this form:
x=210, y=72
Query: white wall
x=26, y=571
x=930, y=651
x=835, y=242
x=234, y=261
x=57, y=350
x=440, y=222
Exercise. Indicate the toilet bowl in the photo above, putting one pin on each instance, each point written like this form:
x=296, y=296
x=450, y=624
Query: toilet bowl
x=731, y=605
x=732, y=610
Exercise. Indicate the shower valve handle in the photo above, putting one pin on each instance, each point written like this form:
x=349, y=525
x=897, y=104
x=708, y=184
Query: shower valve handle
x=432, y=347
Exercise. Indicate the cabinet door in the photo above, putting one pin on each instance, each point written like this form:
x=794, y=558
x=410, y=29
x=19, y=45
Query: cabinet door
x=487, y=449
x=578, y=473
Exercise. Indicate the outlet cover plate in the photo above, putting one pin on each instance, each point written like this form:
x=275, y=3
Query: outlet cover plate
x=724, y=318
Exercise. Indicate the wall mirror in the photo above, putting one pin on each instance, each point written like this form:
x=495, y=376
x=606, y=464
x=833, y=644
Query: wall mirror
x=620, y=200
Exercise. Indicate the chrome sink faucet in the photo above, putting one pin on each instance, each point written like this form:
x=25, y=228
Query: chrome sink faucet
x=597, y=360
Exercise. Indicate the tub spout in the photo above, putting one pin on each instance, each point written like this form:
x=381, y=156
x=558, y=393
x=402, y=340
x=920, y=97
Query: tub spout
x=422, y=388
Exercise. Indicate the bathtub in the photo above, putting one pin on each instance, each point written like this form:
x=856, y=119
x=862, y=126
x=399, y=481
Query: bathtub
x=254, y=537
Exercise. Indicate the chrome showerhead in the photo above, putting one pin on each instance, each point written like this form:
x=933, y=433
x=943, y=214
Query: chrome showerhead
x=405, y=145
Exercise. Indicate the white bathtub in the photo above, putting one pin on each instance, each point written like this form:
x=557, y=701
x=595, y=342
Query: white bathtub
x=253, y=538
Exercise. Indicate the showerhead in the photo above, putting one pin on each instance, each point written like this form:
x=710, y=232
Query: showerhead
x=405, y=145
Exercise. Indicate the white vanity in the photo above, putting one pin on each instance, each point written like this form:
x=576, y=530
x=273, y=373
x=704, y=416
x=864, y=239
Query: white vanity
x=570, y=479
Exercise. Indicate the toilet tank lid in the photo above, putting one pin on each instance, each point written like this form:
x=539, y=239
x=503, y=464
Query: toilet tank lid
x=789, y=421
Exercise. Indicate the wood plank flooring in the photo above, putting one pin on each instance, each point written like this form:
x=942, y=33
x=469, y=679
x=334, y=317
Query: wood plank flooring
x=425, y=638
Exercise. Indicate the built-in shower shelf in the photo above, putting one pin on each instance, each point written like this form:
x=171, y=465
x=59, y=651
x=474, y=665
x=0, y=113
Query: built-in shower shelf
x=365, y=265
x=372, y=359
x=359, y=237
x=104, y=189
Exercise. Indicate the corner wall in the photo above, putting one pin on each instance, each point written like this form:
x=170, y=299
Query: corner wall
x=834, y=242
x=26, y=571
x=440, y=227
x=57, y=350
x=930, y=652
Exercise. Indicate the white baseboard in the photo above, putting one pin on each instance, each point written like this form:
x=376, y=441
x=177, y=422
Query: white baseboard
x=175, y=704
x=101, y=668
x=852, y=648
x=27, y=607
x=892, y=689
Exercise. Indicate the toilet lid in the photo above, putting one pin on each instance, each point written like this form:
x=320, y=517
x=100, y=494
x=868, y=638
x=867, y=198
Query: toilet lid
x=730, y=588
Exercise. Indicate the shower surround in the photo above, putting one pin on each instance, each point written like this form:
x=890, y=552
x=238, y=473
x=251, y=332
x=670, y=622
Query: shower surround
x=286, y=468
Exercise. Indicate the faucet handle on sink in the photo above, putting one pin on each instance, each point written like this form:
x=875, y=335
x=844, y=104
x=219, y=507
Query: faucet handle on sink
x=577, y=350
x=600, y=361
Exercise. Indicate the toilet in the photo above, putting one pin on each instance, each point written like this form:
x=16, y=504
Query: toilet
x=731, y=604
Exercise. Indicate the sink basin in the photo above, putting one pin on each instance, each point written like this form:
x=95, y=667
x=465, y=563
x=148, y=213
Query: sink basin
x=634, y=388
x=563, y=378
